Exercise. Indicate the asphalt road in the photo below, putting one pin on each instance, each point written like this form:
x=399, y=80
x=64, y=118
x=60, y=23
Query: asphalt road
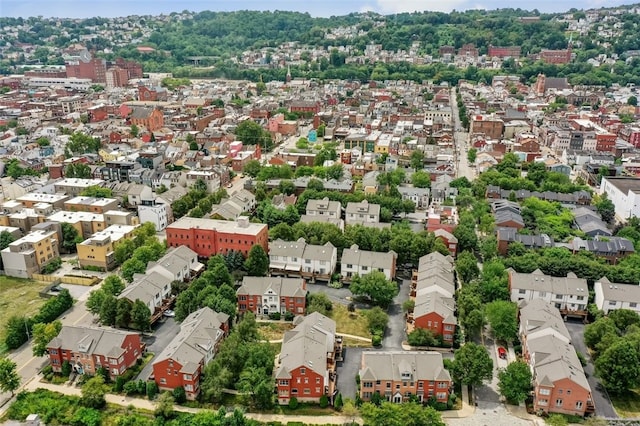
x=395, y=332
x=604, y=408
x=162, y=335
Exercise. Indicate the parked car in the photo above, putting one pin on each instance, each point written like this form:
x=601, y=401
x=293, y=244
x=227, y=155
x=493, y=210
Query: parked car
x=169, y=313
x=502, y=352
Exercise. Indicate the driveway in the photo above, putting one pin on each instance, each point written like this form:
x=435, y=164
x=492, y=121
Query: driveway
x=162, y=335
x=395, y=332
x=348, y=370
x=336, y=295
x=604, y=408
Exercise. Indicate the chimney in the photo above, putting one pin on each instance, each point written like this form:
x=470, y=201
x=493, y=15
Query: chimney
x=243, y=221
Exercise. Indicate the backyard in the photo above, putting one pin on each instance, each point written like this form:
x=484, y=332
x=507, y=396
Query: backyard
x=18, y=297
x=628, y=405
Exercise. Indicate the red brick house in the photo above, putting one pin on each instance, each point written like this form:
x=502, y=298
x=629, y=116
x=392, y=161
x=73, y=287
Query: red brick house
x=306, y=366
x=88, y=348
x=150, y=118
x=448, y=239
x=181, y=363
x=267, y=295
x=309, y=107
x=209, y=237
x=399, y=376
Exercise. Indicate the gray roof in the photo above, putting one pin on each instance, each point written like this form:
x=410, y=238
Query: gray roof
x=324, y=205
x=363, y=207
x=502, y=216
x=302, y=250
x=307, y=345
x=619, y=292
x=355, y=256
x=289, y=287
x=99, y=341
x=529, y=241
x=145, y=287
x=141, y=112
x=337, y=221
x=537, y=315
x=538, y=281
x=198, y=335
x=391, y=366
x=434, y=302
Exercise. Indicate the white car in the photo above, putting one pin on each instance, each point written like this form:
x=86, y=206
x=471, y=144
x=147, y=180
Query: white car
x=169, y=313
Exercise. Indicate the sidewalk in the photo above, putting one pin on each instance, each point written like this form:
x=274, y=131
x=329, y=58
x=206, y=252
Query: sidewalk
x=467, y=410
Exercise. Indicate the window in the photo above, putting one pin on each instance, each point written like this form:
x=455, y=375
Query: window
x=349, y=265
x=544, y=392
x=580, y=298
x=317, y=380
x=558, y=296
x=53, y=352
x=578, y=405
x=377, y=382
x=442, y=385
x=558, y=402
x=388, y=385
x=441, y=395
x=612, y=303
x=559, y=391
x=419, y=385
x=307, y=391
x=522, y=291
x=543, y=402
x=303, y=371
x=186, y=377
x=367, y=384
x=163, y=381
x=568, y=391
x=633, y=304
x=294, y=391
x=283, y=382
x=365, y=268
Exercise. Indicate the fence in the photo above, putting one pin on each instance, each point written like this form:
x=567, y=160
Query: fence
x=68, y=279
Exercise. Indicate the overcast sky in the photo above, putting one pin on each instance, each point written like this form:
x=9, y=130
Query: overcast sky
x=113, y=8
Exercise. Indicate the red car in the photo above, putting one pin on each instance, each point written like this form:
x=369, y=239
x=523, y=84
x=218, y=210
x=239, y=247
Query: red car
x=502, y=352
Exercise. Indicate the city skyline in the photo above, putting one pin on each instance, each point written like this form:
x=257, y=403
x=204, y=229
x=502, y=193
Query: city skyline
x=118, y=8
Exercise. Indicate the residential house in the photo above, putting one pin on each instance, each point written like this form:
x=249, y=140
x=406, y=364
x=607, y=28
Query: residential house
x=419, y=196
x=589, y=222
x=87, y=349
x=299, y=259
x=151, y=288
x=306, y=366
x=432, y=290
x=362, y=262
x=624, y=192
x=91, y=204
x=449, y=240
x=156, y=212
x=178, y=264
x=361, y=213
x=559, y=382
x=506, y=236
x=612, y=249
x=242, y=201
x=99, y=250
x=208, y=237
x=182, y=361
x=324, y=208
x=28, y=255
x=399, y=376
x=569, y=294
x=74, y=186
x=610, y=296
x=266, y=295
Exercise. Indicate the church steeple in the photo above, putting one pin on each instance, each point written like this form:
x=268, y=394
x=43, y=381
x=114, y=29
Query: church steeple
x=288, y=78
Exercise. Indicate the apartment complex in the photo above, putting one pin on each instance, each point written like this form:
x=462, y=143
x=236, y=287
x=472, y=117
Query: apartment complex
x=299, y=259
x=398, y=376
x=559, y=382
x=88, y=348
x=610, y=296
x=208, y=237
x=362, y=213
x=306, y=366
x=362, y=262
x=29, y=254
x=98, y=250
x=181, y=363
x=266, y=295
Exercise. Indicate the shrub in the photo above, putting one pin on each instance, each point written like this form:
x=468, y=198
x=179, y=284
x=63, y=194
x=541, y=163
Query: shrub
x=351, y=307
x=583, y=360
x=338, y=403
x=141, y=387
x=274, y=316
x=324, y=401
x=288, y=316
x=130, y=388
x=119, y=385
x=335, y=284
x=52, y=266
x=152, y=390
x=293, y=403
x=179, y=395
x=66, y=368
x=376, y=340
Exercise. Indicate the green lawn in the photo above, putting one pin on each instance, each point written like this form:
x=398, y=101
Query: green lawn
x=18, y=297
x=627, y=405
x=354, y=323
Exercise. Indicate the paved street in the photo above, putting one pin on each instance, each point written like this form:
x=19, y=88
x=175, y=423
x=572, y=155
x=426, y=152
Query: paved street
x=600, y=397
x=395, y=332
x=461, y=138
x=162, y=335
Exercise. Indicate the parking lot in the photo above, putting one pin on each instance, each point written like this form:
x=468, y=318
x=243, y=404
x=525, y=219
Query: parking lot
x=164, y=331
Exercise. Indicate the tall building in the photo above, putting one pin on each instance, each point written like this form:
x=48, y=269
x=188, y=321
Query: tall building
x=84, y=66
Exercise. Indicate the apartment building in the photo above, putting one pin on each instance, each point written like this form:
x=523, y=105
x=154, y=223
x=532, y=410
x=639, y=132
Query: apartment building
x=432, y=290
x=31, y=199
x=29, y=254
x=91, y=204
x=362, y=213
x=306, y=366
x=88, y=348
x=74, y=186
x=267, y=295
x=160, y=214
x=362, y=262
x=559, y=382
x=85, y=223
x=610, y=296
x=208, y=237
x=181, y=363
x=98, y=250
x=569, y=294
x=398, y=376
x=178, y=264
x=325, y=208
x=152, y=288
x=299, y=259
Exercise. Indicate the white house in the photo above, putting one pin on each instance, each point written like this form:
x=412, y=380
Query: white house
x=362, y=212
x=178, y=264
x=624, y=192
x=150, y=288
x=611, y=296
x=160, y=214
x=297, y=258
x=362, y=262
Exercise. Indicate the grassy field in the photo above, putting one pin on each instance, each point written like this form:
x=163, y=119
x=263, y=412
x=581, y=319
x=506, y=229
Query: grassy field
x=273, y=330
x=628, y=405
x=18, y=297
x=354, y=323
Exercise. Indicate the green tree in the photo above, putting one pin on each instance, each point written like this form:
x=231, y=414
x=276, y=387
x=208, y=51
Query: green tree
x=131, y=267
x=135, y=130
x=9, y=377
x=377, y=320
x=108, y=310
x=70, y=237
x=472, y=365
x=633, y=101
x=141, y=315
x=514, y=382
x=164, y=406
x=179, y=395
x=77, y=170
x=112, y=285
x=471, y=155
x=252, y=168
x=97, y=192
x=6, y=238
x=123, y=312
x=421, y=179
x=251, y=133
x=406, y=414
x=375, y=287
x=95, y=300
x=503, y=319
x=421, y=337
x=42, y=334
x=79, y=143
x=257, y=263
x=417, y=160
x=319, y=302
x=606, y=209
x=467, y=267
x=93, y=392
x=619, y=367
x=42, y=141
